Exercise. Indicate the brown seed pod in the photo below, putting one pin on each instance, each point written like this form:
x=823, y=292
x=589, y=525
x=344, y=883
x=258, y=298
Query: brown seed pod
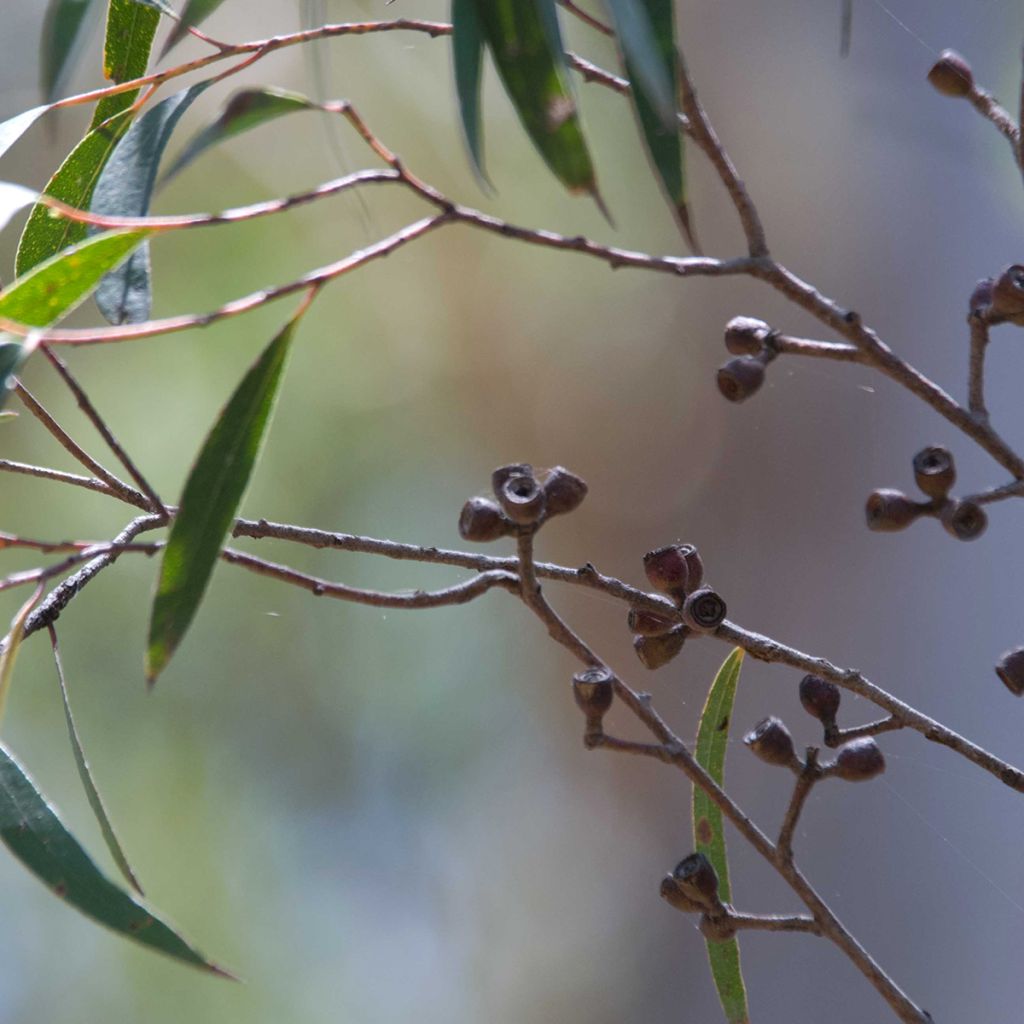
x=888, y=510
x=697, y=879
x=503, y=473
x=1010, y=669
x=522, y=499
x=593, y=689
x=771, y=742
x=934, y=471
x=648, y=623
x=481, y=520
x=951, y=75
x=563, y=491
x=668, y=570
x=745, y=336
x=740, y=378
x=981, y=298
x=694, y=565
x=820, y=699
x=965, y=520
x=656, y=651
x=704, y=610
x=859, y=760
x=673, y=895
x=1008, y=294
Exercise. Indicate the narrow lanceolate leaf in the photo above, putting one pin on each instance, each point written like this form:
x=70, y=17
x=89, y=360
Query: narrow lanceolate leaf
x=129, y=40
x=524, y=41
x=88, y=784
x=467, y=60
x=195, y=11
x=62, y=34
x=9, y=655
x=32, y=831
x=211, y=497
x=44, y=234
x=14, y=127
x=642, y=48
x=124, y=189
x=247, y=109
x=712, y=742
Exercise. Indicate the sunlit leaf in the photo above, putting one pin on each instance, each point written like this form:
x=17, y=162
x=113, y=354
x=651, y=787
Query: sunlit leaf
x=32, y=831
x=712, y=743
x=211, y=497
x=642, y=43
x=524, y=41
x=129, y=40
x=245, y=110
x=44, y=234
x=13, y=199
x=124, y=189
x=14, y=127
x=62, y=34
x=195, y=11
x=467, y=59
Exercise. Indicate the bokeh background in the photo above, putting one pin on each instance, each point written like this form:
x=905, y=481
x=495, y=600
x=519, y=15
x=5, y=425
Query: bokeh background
x=380, y=816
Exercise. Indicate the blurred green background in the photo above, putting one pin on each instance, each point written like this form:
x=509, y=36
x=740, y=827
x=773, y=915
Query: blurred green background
x=374, y=816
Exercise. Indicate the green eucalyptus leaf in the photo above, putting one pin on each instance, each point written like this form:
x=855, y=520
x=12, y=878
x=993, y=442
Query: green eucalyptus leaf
x=247, y=109
x=31, y=829
x=125, y=189
x=126, y=48
x=708, y=835
x=212, y=494
x=527, y=49
x=642, y=42
x=61, y=39
x=467, y=60
x=195, y=11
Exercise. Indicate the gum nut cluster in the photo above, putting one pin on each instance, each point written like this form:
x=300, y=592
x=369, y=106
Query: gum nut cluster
x=523, y=499
x=935, y=474
x=749, y=340
x=677, y=571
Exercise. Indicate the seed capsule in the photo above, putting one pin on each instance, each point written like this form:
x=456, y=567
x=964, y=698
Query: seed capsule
x=593, y=690
x=981, y=298
x=563, y=491
x=965, y=520
x=648, y=623
x=697, y=879
x=889, y=510
x=656, y=651
x=673, y=895
x=1008, y=294
x=740, y=378
x=771, y=742
x=667, y=569
x=522, y=499
x=934, y=471
x=820, y=698
x=704, y=610
x=859, y=760
x=951, y=75
x=745, y=336
x=503, y=473
x=481, y=520
x=1011, y=670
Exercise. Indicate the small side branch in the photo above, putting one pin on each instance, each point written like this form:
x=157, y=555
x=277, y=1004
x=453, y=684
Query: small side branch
x=976, y=374
x=809, y=775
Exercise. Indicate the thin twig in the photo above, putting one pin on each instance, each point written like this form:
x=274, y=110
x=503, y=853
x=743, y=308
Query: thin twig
x=586, y=18
x=774, y=923
x=976, y=372
x=45, y=473
x=833, y=738
x=785, y=344
x=809, y=775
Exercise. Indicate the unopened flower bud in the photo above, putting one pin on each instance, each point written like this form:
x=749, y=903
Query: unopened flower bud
x=820, y=698
x=522, y=498
x=771, y=742
x=656, y=651
x=697, y=879
x=1008, y=294
x=667, y=569
x=951, y=74
x=739, y=378
x=965, y=520
x=1011, y=670
x=593, y=690
x=859, y=760
x=934, y=471
x=563, y=491
x=481, y=520
x=648, y=623
x=889, y=510
x=704, y=610
x=745, y=336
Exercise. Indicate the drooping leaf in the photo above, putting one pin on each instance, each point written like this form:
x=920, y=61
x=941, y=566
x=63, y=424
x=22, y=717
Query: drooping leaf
x=124, y=189
x=14, y=127
x=9, y=655
x=247, y=109
x=88, y=783
x=62, y=30
x=13, y=199
x=73, y=183
x=708, y=835
x=524, y=41
x=211, y=497
x=467, y=60
x=642, y=43
x=195, y=11
x=32, y=831
x=129, y=40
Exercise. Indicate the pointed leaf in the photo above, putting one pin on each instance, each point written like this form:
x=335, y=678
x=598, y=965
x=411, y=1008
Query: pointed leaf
x=129, y=40
x=88, y=784
x=62, y=27
x=523, y=38
x=195, y=11
x=44, y=234
x=642, y=45
x=708, y=835
x=14, y=127
x=32, y=831
x=13, y=199
x=124, y=189
x=247, y=109
x=467, y=59
x=9, y=654
x=211, y=497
